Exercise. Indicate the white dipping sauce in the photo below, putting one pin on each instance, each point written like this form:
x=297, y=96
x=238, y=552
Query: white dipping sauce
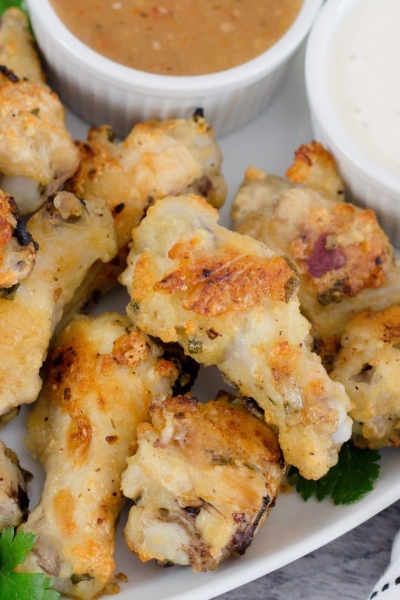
x=364, y=79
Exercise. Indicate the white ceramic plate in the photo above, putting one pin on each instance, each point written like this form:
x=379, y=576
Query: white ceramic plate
x=294, y=527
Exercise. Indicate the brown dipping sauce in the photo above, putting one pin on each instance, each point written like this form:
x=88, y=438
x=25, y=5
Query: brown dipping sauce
x=178, y=37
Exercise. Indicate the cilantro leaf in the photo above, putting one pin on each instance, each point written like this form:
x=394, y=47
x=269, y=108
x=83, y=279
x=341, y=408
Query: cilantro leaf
x=4, y=4
x=21, y=586
x=348, y=481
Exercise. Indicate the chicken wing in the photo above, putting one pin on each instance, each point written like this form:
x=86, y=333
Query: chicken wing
x=203, y=480
x=231, y=302
x=37, y=153
x=100, y=378
x=368, y=367
x=71, y=234
x=18, y=50
x=157, y=159
x=344, y=259
x=13, y=497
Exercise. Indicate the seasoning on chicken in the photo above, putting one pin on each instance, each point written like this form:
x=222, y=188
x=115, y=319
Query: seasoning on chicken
x=37, y=153
x=368, y=367
x=17, y=248
x=14, y=500
x=72, y=235
x=203, y=480
x=100, y=378
x=231, y=302
x=157, y=159
x=344, y=259
x=18, y=50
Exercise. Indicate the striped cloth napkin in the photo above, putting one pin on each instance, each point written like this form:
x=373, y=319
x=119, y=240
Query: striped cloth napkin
x=388, y=586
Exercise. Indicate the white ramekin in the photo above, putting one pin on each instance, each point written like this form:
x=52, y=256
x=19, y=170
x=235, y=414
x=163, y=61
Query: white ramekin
x=104, y=92
x=369, y=184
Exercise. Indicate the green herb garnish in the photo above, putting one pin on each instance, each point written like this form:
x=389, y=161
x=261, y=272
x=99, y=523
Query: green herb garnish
x=348, y=481
x=24, y=586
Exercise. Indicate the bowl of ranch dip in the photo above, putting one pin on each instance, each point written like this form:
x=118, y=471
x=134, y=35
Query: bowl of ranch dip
x=118, y=62
x=353, y=88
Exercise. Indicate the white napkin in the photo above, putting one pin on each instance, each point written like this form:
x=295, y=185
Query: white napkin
x=388, y=586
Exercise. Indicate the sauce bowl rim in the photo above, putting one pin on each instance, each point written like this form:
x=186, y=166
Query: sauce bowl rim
x=184, y=86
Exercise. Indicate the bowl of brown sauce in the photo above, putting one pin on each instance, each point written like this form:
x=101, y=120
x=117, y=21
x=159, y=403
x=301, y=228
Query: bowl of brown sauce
x=123, y=61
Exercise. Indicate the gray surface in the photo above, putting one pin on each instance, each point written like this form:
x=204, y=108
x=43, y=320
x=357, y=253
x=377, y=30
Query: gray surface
x=347, y=568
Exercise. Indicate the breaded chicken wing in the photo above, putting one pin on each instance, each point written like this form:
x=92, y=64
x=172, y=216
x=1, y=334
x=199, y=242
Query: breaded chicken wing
x=368, y=367
x=100, y=378
x=18, y=50
x=72, y=235
x=13, y=497
x=203, y=480
x=157, y=159
x=17, y=248
x=344, y=259
x=231, y=302
x=37, y=153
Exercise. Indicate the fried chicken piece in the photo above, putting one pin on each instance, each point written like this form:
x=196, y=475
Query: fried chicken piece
x=17, y=248
x=37, y=153
x=100, y=378
x=157, y=159
x=368, y=367
x=203, y=480
x=18, y=50
x=344, y=259
x=231, y=302
x=315, y=167
x=14, y=500
x=72, y=235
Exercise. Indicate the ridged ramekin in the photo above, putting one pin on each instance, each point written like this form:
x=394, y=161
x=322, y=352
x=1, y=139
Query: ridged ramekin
x=369, y=184
x=104, y=92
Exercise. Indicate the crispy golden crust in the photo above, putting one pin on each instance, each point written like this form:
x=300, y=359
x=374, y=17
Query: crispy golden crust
x=344, y=259
x=18, y=50
x=340, y=250
x=34, y=143
x=17, y=248
x=229, y=283
x=315, y=167
x=368, y=367
x=231, y=302
x=71, y=235
x=203, y=479
x=157, y=159
x=100, y=378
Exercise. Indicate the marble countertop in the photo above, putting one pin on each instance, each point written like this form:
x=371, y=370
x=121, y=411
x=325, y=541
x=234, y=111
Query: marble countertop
x=346, y=568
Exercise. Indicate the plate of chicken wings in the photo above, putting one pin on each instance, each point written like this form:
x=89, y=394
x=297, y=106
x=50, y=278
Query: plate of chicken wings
x=183, y=317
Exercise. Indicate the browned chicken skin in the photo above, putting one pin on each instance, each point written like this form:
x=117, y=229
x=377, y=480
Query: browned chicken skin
x=344, y=259
x=231, y=302
x=13, y=495
x=37, y=153
x=100, y=379
x=71, y=236
x=203, y=480
x=368, y=366
x=17, y=247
